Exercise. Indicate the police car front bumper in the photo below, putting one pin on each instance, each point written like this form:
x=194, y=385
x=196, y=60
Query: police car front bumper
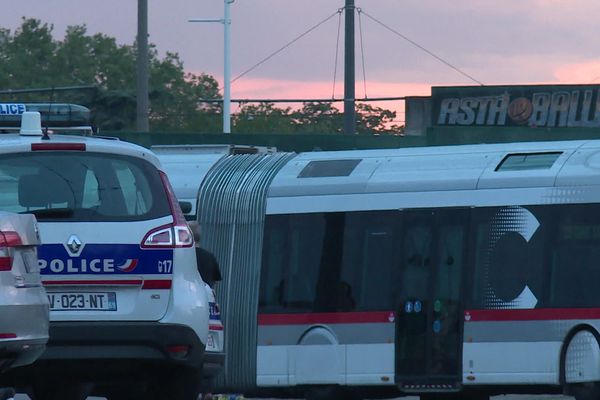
x=151, y=341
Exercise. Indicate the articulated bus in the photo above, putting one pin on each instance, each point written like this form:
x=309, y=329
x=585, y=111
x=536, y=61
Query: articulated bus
x=446, y=272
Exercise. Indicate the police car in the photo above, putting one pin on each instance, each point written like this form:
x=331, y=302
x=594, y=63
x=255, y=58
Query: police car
x=129, y=313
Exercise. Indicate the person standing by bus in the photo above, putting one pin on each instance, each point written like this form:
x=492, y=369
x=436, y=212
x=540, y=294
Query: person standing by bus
x=208, y=266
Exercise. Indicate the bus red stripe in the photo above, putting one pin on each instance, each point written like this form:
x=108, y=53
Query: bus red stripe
x=327, y=318
x=541, y=314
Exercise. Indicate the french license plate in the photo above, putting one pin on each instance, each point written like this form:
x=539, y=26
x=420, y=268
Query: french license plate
x=210, y=342
x=83, y=301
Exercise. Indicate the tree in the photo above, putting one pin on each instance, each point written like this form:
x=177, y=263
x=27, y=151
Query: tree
x=174, y=97
x=316, y=117
x=32, y=58
x=376, y=120
x=26, y=58
x=262, y=118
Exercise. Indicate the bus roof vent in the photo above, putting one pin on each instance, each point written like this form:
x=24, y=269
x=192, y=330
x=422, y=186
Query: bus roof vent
x=328, y=168
x=527, y=161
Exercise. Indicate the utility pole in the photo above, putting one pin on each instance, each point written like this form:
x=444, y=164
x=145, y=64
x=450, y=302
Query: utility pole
x=349, y=71
x=226, y=21
x=142, y=124
x=227, y=67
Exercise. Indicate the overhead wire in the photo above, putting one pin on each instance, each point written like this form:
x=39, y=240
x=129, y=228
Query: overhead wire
x=284, y=47
x=431, y=53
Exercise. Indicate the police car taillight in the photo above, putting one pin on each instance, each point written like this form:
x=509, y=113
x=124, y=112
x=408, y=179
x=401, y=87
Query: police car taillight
x=178, y=233
x=8, y=239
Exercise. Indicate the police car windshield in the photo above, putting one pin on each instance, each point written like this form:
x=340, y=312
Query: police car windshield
x=82, y=186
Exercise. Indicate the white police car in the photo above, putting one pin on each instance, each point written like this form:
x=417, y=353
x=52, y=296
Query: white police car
x=129, y=314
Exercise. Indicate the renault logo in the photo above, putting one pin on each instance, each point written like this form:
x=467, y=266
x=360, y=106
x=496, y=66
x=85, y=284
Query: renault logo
x=74, y=245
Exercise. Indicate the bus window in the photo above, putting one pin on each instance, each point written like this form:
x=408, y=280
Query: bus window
x=273, y=261
x=575, y=269
x=291, y=258
x=451, y=262
x=417, y=260
x=327, y=262
x=370, y=259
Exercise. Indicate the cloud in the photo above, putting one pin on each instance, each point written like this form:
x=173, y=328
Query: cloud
x=299, y=89
x=583, y=72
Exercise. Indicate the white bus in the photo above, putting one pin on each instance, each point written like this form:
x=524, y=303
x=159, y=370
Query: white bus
x=458, y=271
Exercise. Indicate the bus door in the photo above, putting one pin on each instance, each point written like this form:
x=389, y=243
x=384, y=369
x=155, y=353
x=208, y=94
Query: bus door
x=428, y=329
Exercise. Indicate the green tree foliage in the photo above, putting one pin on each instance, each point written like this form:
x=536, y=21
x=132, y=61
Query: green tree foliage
x=31, y=58
x=261, y=118
x=316, y=117
x=313, y=117
x=376, y=120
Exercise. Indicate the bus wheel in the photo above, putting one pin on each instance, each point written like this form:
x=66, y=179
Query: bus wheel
x=585, y=391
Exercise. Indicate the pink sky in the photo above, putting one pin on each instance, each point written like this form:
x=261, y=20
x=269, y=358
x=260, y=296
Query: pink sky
x=262, y=88
x=507, y=42
x=289, y=89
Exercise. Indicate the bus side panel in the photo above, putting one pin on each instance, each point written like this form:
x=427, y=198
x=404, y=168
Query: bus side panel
x=318, y=364
x=370, y=364
x=365, y=364
x=519, y=363
x=338, y=353
x=272, y=366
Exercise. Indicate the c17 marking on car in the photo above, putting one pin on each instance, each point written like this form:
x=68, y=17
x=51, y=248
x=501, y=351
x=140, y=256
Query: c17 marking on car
x=165, y=266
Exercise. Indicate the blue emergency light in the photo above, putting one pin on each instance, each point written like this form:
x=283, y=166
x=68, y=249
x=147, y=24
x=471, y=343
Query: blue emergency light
x=52, y=114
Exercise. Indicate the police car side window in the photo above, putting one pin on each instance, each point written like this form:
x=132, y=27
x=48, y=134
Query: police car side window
x=91, y=194
x=135, y=189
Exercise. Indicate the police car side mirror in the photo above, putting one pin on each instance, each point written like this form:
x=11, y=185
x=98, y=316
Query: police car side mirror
x=186, y=207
